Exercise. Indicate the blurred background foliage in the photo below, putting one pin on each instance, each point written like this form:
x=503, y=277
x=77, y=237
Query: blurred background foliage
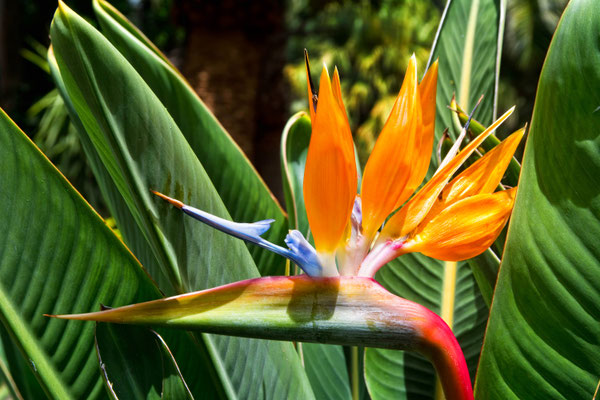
x=27, y=92
x=370, y=43
x=245, y=59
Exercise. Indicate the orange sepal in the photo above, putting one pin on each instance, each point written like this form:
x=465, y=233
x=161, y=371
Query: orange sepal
x=482, y=177
x=423, y=150
x=411, y=215
x=388, y=170
x=336, y=87
x=465, y=229
x=330, y=174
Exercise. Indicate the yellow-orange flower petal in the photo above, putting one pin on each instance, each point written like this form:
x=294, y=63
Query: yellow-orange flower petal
x=423, y=150
x=484, y=175
x=336, y=87
x=388, y=169
x=330, y=174
x=465, y=229
x=409, y=216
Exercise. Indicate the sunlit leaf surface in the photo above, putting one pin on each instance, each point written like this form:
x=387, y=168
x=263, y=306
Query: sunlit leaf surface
x=243, y=192
x=142, y=148
x=543, y=337
x=59, y=256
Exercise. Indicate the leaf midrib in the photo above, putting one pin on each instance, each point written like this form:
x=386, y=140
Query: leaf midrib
x=30, y=346
x=465, y=73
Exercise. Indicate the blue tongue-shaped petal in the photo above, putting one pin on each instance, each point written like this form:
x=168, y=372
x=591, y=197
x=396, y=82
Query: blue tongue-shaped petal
x=262, y=226
x=300, y=252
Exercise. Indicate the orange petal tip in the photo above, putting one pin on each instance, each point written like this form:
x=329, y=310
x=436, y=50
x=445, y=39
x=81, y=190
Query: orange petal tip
x=174, y=202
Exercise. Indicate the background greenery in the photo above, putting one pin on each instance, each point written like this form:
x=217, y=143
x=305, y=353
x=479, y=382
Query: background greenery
x=369, y=41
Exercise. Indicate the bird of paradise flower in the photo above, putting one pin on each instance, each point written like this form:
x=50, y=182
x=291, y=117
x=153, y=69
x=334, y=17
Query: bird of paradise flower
x=336, y=300
x=450, y=221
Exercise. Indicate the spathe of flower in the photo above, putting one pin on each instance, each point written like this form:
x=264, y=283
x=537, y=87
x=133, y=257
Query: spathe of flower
x=342, y=310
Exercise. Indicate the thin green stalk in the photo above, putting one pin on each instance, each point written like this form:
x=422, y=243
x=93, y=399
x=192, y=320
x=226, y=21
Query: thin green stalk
x=354, y=377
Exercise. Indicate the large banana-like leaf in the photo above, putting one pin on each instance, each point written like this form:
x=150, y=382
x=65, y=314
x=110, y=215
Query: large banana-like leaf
x=543, y=337
x=325, y=365
x=128, y=228
x=468, y=46
x=142, y=149
x=136, y=363
x=240, y=187
x=58, y=254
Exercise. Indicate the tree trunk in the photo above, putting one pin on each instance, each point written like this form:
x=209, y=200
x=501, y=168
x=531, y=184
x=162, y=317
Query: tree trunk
x=234, y=58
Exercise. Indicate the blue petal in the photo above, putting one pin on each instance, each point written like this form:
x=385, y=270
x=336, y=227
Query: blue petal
x=302, y=253
x=246, y=231
x=256, y=228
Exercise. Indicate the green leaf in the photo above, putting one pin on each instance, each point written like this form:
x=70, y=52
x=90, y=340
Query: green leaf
x=468, y=45
x=326, y=369
x=425, y=281
x=543, y=337
x=16, y=372
x=59, y=256
x=243, y=192
x=325, y=365
x=174, y=385
x=136, y=363
x=130, y=361
x=196, y=365
x=142, y=149
x=130, y=231
x=485, y=271
x=294, y=148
